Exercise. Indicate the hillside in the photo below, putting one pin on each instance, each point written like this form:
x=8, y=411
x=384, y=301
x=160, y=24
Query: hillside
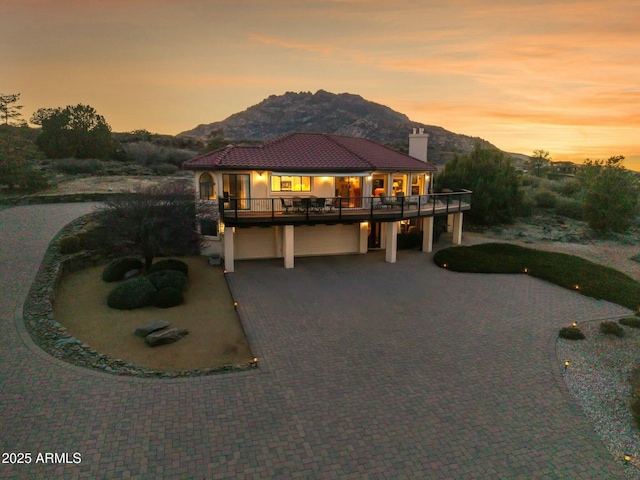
x=342, y=114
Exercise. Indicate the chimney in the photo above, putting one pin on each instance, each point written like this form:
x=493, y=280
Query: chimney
x=418, y=142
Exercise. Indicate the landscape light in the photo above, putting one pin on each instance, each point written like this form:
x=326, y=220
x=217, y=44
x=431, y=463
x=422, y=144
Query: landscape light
x=577, y=287
x=525, y=270
x=254, y=364
x=574, y=324
x=566, y=364
x=444, y=265
x=235, y=305
x=224, y=272
x=627, y=457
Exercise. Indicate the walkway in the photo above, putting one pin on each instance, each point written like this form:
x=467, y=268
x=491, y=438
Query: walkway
x=368, y=370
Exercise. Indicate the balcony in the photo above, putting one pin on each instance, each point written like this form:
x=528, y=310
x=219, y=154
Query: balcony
x=251, y=212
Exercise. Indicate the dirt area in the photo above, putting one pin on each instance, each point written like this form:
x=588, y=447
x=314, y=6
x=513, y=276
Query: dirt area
x=215, y=337
x=107, y=184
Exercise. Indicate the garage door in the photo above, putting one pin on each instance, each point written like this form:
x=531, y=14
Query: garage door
x=326, y=240
x=255, y=243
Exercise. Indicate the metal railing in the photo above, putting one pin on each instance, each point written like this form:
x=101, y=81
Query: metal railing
x=301, y=210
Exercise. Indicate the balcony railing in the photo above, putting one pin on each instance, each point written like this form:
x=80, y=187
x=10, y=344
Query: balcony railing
x=312, y=210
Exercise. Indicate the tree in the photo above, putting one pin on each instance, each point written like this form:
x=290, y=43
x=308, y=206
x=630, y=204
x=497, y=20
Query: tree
x=42, y=114
x=75, y=131
x=491, y=176
x=16, y=149
x=153, y=221
x=612, y=194
x=539, y=162
x=9, y=111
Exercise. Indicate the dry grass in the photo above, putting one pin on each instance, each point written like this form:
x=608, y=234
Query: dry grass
x=215, y=337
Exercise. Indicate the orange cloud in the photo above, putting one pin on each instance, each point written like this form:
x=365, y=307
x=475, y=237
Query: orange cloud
x=288, y=44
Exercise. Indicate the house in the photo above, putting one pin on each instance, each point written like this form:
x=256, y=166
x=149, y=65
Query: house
x=318, y=194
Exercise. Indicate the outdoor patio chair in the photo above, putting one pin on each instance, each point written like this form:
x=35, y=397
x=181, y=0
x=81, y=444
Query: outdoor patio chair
x=286, y=204
x=318, y=205
x=297, y=204
x=388, y=202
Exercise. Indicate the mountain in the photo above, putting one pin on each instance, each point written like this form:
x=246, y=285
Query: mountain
x=342, y=114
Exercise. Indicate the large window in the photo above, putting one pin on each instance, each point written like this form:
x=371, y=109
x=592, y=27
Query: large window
x=290, y=183
x=206, y=186
x=236, y=189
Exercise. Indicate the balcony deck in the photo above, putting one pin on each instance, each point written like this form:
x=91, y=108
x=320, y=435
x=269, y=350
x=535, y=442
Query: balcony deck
x=309, y=211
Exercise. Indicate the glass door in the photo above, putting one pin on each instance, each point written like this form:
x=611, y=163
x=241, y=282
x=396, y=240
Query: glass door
x=237, y=189
x=350, y=189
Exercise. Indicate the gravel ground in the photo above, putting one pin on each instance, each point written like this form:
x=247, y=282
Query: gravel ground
x=598, y=377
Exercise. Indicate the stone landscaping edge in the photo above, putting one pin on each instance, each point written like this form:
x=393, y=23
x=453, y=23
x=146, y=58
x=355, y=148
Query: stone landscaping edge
x=53, y=338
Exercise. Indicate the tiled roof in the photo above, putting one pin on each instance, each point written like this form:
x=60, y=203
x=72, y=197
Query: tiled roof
x=309, y=152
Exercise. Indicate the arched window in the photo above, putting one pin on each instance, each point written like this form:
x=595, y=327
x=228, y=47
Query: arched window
x=206, y=186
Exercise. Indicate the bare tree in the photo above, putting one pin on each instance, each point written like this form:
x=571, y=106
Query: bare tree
x=539, y=162
x=153, y=221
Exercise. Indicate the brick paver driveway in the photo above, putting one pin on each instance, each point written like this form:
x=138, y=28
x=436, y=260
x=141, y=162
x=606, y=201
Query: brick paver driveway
x=368, y=370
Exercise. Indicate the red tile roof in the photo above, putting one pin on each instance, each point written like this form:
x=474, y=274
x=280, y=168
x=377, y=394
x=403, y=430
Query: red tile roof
x=309, y=152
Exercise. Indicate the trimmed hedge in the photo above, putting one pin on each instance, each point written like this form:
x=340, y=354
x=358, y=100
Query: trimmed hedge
x=571, y=333
x=133, y=293
x=567, y=271
x=116, y=269
x=168, y=297
x=168, y=278
x=611, y=328
x=633, y=322
x=169, y=264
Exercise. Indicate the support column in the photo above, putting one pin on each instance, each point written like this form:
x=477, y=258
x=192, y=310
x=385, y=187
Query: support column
x=391, y=243
x=228, y=249
x=450, y=222
x=427, y=234
x=287, y=246
x=457, y=228
x=364, y=237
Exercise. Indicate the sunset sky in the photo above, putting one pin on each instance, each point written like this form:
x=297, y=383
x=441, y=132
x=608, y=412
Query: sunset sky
x=559, y=75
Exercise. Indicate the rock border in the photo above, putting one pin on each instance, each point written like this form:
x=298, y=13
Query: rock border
x=52, y=337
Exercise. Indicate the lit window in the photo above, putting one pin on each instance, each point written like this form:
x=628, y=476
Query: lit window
x=290, y=183
x=206, y=186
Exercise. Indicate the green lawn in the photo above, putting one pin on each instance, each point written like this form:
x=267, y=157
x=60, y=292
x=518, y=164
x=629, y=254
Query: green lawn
x=567, y=271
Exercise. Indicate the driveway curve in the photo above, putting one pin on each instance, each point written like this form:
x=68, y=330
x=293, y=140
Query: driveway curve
x=368, y=370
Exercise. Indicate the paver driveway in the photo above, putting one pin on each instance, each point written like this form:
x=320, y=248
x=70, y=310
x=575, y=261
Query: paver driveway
x=368, y=370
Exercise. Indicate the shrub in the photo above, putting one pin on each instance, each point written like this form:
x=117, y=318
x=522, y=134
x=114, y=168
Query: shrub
x=133, y=293
x=169, y=264
x=165, y=169
x=545, y=199
x=594, y=280
x=116, y=269
x=636, y=258
x=529, y=181
x=70, y=245
x=525, y=209
x=168, y=278
x=568, y=188
x=93, y=239
x=635, y=403
x=571, y=333
x=611, y=328
x=77, y=165
x=168, y=297
x=633, y=322
x=570, y=208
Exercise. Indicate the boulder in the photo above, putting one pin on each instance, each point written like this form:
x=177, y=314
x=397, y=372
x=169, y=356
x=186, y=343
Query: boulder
x=132, y=273
x=162, y=337
x=151, y=327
